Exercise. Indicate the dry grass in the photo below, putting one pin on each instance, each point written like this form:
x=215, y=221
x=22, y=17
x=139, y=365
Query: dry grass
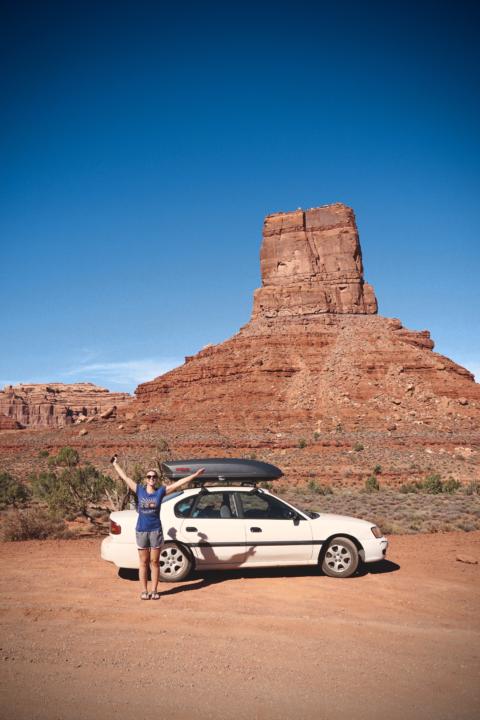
x=396, y=512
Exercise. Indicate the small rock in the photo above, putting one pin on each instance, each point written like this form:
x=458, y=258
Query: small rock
x=463, y=401
x=396, y=402
x=391, y=427
x=467, y=559
x=120, y=427
x=83, y=432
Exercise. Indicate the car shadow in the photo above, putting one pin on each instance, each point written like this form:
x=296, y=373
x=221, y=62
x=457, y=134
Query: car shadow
x=202, y=578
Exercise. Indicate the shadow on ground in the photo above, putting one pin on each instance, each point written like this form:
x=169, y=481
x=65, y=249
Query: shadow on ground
x=200, y=579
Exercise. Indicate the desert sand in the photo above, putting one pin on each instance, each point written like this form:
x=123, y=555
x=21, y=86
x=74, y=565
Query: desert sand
x=401, y=640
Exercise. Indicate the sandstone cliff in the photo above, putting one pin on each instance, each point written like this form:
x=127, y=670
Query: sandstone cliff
x=57, y=404
x=315, y=356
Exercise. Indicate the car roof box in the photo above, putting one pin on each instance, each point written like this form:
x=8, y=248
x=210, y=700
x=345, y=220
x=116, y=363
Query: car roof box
x=222, y=469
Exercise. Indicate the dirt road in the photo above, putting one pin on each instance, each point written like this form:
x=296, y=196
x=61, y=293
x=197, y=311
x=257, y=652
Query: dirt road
x=402, y=641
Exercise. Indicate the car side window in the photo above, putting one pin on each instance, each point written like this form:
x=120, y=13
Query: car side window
x=258, y=507
x=183, y=508
x=217, y=505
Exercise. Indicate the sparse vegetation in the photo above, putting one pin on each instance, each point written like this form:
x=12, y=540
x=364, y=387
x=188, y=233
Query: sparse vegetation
x=316, y=435
x=12, y=492
x=394, y=511
x=372, y=484
x=43, y=453
x=432, y=485
x=358, y=447
x=302, y=443
x=70, y=489
x=318, y=488
x=33, y=524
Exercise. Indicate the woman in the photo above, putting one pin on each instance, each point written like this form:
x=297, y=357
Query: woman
x=149, y=529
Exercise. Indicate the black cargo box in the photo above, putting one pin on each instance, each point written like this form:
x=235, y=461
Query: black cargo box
x=222, y=469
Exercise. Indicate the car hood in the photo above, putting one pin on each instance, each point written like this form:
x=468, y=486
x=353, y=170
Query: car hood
x=342, y=523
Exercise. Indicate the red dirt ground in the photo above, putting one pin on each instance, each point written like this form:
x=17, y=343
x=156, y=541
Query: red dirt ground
x=400, y=641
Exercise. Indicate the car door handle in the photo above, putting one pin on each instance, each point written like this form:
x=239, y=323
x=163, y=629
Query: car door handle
x=191, y=529
x=255, y=529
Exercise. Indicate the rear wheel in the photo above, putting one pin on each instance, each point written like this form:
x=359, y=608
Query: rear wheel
x=175, y=563
x=341, y=558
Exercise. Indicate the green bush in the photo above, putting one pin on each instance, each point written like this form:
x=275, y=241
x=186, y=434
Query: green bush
x=318, y=488
x=450, y=486
x=43, y=453
x=316, y=435
x=432, y=485
x=358, y=447
x=12, y=492
x=302, y=443
x=377, y=469
x=372, y=484
x=33, y=525
x=73, y=490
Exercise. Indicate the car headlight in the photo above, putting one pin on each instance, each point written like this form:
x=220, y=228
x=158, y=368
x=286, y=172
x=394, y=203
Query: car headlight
x=376, y=531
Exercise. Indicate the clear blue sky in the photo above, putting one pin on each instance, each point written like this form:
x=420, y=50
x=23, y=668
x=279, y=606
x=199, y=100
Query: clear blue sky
x=142, y=145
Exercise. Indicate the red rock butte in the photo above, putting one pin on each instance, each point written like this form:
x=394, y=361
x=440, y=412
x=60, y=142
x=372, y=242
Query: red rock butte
x=315, y=355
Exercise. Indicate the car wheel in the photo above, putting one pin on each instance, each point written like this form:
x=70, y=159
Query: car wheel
x=341, y=558
x=175, y=563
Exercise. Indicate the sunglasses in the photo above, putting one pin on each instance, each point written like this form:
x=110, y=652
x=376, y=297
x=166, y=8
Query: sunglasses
x=152, y=476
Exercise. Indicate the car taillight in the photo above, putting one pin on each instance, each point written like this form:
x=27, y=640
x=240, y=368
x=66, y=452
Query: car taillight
x=115, y=529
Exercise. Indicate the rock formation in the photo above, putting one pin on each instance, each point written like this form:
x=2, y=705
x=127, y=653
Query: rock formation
x=57, y=404
x=311, y=263
x=315, y=356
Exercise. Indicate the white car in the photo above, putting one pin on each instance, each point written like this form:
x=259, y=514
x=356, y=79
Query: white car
x=226, y=526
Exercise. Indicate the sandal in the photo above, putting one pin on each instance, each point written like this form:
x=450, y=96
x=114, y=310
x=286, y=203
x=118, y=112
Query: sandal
x=155, y=595
x=145, y=596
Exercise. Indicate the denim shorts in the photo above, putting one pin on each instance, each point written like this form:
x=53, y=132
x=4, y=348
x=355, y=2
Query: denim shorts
x=146, y=540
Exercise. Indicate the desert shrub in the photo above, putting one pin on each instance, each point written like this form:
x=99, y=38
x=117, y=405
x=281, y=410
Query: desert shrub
x=410, y=487
x=318, y=488
x=377, y=470
x=66, y=457
x=372, y=484
x=12, y=492
x=302, y=443
x=473, y=488
x=316, y=435
x=73, y=490
x=432, y=485
x=43, y=453
x=33, y=524
x=358, y=447
x=450, y=486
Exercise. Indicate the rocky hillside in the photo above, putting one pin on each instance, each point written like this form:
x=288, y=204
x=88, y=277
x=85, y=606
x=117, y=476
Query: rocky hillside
x=55, y=405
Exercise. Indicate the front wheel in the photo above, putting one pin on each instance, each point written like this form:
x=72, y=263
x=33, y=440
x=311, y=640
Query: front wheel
x=175, y=564
x=341, y=558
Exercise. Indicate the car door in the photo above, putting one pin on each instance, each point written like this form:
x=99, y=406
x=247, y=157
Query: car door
x=214, y=530
x=275, y=534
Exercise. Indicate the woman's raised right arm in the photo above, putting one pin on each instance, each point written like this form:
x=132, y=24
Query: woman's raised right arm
x=121, y=473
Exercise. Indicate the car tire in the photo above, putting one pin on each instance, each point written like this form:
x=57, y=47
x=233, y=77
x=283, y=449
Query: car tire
x=175, y=563
x=340, y=558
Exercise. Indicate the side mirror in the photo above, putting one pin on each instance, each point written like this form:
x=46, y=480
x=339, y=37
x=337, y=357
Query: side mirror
x=296, y=519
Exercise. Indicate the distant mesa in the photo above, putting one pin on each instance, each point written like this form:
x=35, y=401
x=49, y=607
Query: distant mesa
x=56, y=405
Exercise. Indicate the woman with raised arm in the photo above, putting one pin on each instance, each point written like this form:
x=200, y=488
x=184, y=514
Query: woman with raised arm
x=149, y=528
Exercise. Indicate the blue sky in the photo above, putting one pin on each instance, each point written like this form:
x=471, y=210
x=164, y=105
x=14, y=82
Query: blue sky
x=141, y=147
